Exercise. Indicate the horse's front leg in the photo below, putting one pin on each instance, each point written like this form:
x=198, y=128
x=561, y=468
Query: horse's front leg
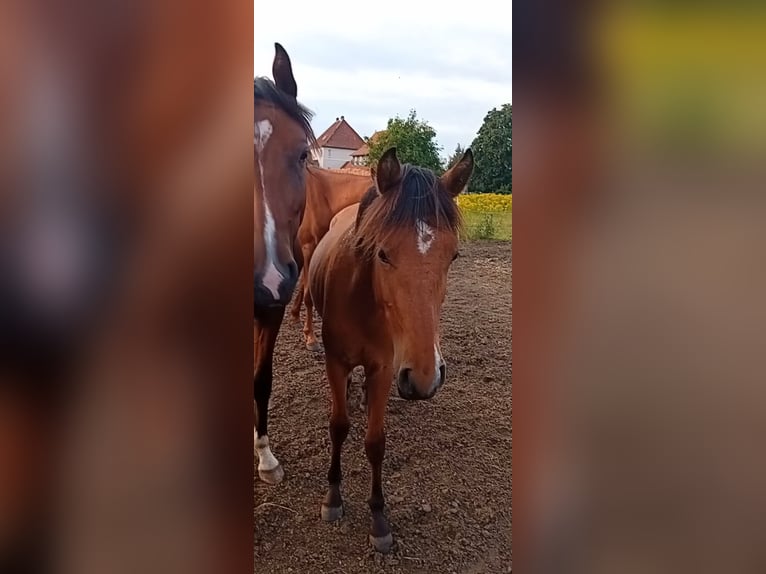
x=265, y=330
x=295, y=310
x=378, y=386
x=308, y=327
x=337, y=373
x=312, y=344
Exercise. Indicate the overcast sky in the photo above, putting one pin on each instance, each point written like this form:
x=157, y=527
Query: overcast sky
x=370, y=61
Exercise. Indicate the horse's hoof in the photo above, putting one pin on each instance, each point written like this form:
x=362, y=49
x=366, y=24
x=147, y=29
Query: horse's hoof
x=314, y=347
x=273, y=476
x=382, y=544
x=332, y=513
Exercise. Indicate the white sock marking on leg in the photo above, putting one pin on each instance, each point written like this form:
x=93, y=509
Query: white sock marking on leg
x=266, y=460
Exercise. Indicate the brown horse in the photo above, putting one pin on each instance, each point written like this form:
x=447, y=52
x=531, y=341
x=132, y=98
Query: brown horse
x=122, y=252
x=378, y=281
x=282, y=138
x=327, y=193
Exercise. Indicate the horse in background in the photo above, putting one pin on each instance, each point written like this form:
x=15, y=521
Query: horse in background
x=282, y=139
x=327, y=193
x=378, y=279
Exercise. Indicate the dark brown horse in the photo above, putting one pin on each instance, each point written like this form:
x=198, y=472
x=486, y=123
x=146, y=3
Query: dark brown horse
x=378, y=281
x=123, y=254
x=327, y=193
x=282, y=138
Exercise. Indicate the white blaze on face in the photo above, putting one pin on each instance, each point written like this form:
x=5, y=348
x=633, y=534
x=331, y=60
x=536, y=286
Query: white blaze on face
x=425, y=236
x=272, y=278
x=263, y=131
x=53, y=243
x=266, y=460
x=54, y=261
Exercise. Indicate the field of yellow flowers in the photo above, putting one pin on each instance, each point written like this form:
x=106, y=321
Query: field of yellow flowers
x=486, y=215
x=490, y=202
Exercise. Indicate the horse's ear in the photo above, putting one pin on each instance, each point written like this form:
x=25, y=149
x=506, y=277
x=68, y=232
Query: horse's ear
x=282, y=70
x=456, y=178
x=388, y=172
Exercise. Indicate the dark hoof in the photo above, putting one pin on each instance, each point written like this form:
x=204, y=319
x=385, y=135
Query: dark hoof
x=273, y=476
x=332, y=513
x=382, y=544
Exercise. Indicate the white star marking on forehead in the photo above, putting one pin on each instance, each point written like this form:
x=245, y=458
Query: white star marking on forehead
x=263, y=131
x=425, y=236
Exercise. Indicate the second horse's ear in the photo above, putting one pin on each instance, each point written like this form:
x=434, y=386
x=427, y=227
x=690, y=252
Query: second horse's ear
x=282, y=70
x=389, y=171
x=456, y=178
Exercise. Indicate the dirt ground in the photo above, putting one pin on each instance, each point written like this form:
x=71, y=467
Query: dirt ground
x=447, y=471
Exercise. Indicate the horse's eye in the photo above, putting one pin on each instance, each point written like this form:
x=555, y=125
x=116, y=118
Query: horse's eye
x=383, y=257
x=304, y=156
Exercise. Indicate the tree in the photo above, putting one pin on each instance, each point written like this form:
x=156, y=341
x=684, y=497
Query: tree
x=492, y=150
x=456, y=155
x=414, y=139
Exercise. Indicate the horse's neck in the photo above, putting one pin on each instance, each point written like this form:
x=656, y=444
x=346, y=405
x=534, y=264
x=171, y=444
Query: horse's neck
x=341, y=196
x=361, y=279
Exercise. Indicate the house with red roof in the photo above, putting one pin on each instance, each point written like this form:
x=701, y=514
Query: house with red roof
x=358, y=161
x=336, y=144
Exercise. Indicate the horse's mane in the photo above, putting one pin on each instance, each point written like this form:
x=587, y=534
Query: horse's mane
x=264, y=90
x=419, y=197
x=367, y=199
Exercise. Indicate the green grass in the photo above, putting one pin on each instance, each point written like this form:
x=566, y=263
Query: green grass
x=481, y=225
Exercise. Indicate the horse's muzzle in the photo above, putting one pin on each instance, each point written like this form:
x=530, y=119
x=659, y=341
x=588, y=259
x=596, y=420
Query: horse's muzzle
x=58, y=267
x=408, y=390
x=271, y=292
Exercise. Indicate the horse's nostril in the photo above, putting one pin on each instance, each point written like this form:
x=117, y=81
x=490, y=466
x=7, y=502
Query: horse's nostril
x=442, y=373
x=405, y=387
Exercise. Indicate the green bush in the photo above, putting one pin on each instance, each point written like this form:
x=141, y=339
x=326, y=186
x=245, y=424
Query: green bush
x=486, y=228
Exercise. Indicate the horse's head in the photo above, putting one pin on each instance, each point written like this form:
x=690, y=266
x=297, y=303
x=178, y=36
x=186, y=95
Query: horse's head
x=408, y=226
x=58, y=189
x=282, y=138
